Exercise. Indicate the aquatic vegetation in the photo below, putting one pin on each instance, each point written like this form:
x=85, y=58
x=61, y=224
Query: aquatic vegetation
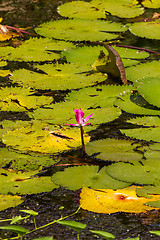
x=111, y=201
x=81, y=62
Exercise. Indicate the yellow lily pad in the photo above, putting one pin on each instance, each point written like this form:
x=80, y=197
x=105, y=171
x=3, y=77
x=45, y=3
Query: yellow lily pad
x=7, y=201
x=111, y=201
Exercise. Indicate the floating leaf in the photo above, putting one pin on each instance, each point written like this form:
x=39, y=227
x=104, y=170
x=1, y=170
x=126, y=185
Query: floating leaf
x=76, y=226
x=21, y=99
x=24, y=182
x=43, y=138
x=105, y=235
x=149, y=30
x=120, y=8
x=111, y=201
x=151, y=4
x=80, y=9
x=113, y=150
x=35, y=49
x=132, y=102
x=88, y=54
x=7, y=201
x=97, y=100
x=147, y=134
x=148, y=173
x=61, y=77
x=88, y=176
x=144, y=70
x=147, y=87
x=80, y=30
x=19, y=161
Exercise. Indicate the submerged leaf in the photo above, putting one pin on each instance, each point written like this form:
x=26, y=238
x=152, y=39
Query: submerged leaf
x=16, y=229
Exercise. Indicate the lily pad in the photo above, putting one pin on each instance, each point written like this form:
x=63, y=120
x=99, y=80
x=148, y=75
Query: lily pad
x=151, y=4
x=19, y=161
x=80, y=30
x=149, y=88
x=80, y=9
x=88, y=176
x=35, y=49
x=87, y=54
x=120, y=8
x=149, y=30
x=61, y=77
x=113, y=150
x=149, y=133
x=137, y=174
x=7, y=201
x=111, y=201
x=24, y=182
x=21, y=99
x=144, y=70
x=133, y=102
x=35, y=136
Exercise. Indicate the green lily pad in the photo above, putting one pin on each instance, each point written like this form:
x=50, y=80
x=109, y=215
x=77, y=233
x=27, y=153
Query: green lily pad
x=35, y=136
x=80, y=9
x=35, y=49
x=7, y=201
x=149, y=30
x=133, y=102
x=151, y=4
x=144, y=70
x=97, y=100
x=88, y=176
x=61, y=77
x=146, y=191
x=87, y=55
x=80, y=30
x=24, y=182
x=113, y=150
x=120, y=8
x=149, y=133
x=21, y=99
x=149, y=88
x=19, y=161
x=148, y=173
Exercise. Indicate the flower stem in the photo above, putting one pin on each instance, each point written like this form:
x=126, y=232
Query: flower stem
x=82, y=139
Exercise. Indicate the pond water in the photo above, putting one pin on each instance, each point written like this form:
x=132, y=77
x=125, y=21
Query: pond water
x=52, y=204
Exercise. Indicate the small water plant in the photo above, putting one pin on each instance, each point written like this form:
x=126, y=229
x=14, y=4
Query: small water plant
x=81, y=121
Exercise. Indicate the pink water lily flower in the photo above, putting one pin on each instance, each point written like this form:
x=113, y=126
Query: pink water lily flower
x=81, y=121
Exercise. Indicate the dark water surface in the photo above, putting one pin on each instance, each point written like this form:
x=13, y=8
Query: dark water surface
x=31, y=13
